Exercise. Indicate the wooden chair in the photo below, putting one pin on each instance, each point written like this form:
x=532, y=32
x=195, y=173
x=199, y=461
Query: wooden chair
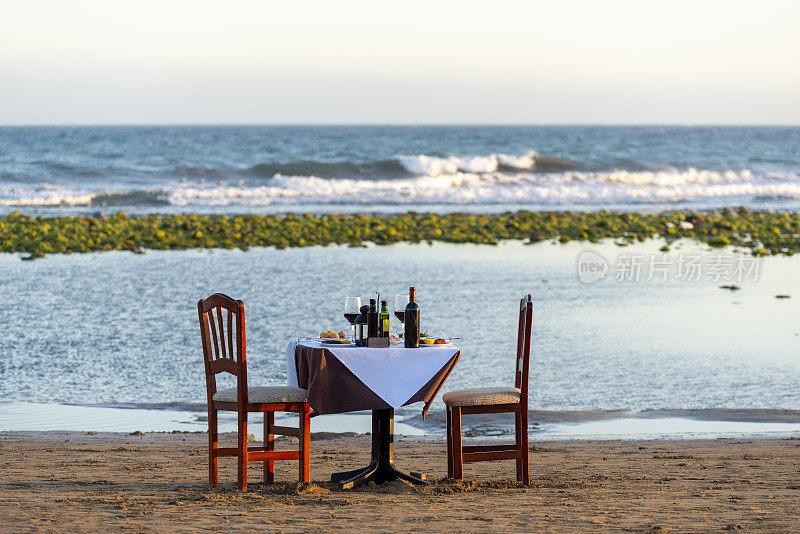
x=222, y=354
x=494, y=400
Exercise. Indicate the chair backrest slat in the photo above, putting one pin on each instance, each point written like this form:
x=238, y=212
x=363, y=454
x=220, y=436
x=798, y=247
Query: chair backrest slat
x=230, y=335
x=207, y=318
x=524, y=347
x=222, y=334
x=223, y=340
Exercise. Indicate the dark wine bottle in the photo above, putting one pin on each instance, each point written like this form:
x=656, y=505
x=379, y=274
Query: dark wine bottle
x=372, y=319
x=383, y=321
x=360, y=333
x=411, y=323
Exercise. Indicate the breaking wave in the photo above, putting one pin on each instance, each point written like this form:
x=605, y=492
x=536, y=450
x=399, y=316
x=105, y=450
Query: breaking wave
x=416, y=165
x=410, y=180
x=49, y=196
x=571, y=187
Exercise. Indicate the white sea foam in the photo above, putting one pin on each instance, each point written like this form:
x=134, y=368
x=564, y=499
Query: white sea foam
x=617, y=187
x=434, y=166
x=446, y=188
x=44, y=195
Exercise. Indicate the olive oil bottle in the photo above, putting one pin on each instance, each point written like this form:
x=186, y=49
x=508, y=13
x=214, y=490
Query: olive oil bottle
x=383, y=321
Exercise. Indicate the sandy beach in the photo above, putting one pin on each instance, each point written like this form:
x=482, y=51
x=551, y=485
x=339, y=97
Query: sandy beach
x=568, y=232
x=90, y=482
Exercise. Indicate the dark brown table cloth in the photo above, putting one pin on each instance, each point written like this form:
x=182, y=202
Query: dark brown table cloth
x=333, y=388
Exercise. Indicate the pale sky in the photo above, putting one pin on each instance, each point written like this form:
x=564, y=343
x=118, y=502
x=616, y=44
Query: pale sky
x=409, y=62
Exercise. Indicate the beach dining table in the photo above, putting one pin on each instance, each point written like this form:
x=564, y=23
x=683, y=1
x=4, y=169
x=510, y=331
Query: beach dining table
x=346, y=378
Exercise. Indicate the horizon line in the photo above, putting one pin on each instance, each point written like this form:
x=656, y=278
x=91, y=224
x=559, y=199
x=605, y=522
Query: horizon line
x=402, y=124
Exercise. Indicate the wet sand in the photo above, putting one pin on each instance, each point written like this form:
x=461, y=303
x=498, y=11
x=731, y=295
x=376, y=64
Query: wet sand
x=90, y=482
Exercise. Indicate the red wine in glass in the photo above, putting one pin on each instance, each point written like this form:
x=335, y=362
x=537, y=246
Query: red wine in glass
x=400, y=302
x=352, y=307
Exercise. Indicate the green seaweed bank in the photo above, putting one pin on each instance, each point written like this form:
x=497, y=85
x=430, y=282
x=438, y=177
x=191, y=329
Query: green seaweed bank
x=762, y=233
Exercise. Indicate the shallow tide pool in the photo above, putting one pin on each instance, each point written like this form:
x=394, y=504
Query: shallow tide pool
x=119, y=329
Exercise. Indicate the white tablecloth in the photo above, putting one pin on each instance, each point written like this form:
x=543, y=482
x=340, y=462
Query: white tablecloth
x=395, y=374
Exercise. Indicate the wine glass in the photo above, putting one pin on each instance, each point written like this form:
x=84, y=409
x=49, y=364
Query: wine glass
x=352, y=307
x=400, y=302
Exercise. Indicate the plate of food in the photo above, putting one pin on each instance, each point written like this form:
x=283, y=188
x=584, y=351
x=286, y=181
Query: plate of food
x=433, y=342
x=333, y=338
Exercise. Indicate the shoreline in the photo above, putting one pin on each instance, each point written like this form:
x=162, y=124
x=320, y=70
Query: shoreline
x=663, y=424
x=761, y=233
x=84, y=482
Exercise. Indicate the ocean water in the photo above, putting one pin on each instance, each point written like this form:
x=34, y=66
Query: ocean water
x=63, y=170
x=118, y=331
x=110, y=340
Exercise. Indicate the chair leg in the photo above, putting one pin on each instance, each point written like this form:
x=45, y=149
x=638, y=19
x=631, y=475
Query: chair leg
x=525, y=452
x=269, y=445
x=458, y=463
x=242, y=452
x=305, y=445
x=213, y=445
x=518, y=442
x=449, y=444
